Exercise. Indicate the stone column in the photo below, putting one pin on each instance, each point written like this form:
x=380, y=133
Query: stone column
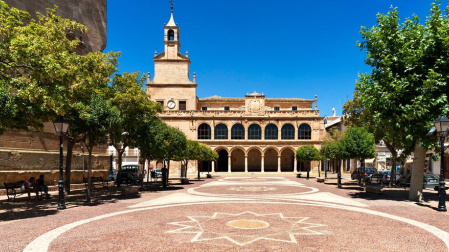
x=212, y=132
x=213, y=166
x=279, y=163
x=295, y=165
x=229, y=163
x=246, y=163
x=262, y=168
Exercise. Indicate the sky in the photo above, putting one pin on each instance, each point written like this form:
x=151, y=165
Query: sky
x=283, y=48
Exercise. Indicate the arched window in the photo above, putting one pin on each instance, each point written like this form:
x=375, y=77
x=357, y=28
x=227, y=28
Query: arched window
x=254, y=132
x=271, y=132
x=304, y=132
x=204, y=131
x=221, y=131
x=288, y=132
x=237, y=132
x=171, y=35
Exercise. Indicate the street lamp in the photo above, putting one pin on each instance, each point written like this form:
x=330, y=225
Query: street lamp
x=61, y=128
x=308, y=166
x=441, y=126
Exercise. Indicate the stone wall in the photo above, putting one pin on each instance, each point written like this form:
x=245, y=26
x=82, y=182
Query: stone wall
x=91, y=13
x=16, y=165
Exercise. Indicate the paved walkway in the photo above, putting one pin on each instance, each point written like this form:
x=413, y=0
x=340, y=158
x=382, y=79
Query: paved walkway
x=251, y=213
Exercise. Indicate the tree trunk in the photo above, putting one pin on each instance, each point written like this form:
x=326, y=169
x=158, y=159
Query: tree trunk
x=119, y=173
x=89, y=176
x=68, y=163
x=394, y=155
x=185, y=169
x=416, y=182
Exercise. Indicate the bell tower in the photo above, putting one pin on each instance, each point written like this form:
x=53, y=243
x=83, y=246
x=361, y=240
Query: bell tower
x=171, y=85
x=171, y=37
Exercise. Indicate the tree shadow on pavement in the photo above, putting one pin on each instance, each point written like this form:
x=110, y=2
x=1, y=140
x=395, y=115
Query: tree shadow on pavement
x=395, y=194
x=22, y=208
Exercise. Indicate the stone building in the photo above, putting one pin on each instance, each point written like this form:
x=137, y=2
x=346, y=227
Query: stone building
x=253, y=133
x=25, y=154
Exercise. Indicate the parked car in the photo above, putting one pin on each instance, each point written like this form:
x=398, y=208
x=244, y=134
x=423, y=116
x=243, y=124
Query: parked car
x=430, y=180
x=156, y=173
x=131, y=174
x=369, y=171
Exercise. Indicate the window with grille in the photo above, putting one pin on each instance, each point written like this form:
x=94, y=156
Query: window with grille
x=226, y=108
x=288, y=132
x=271, y=132
x=204, y=131
x=203, y=108
x=238, y=132
x=161, y=102
x=294, y=108
x=221, y=131
x=254, y=132
x=304, y=132
x=276, y=109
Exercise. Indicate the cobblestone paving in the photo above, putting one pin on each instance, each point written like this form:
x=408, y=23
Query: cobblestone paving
x=251, y=213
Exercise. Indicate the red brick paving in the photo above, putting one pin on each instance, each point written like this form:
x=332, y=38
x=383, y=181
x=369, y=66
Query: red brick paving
x=174, y=228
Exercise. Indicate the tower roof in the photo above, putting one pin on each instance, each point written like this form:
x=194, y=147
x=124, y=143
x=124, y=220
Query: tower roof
x=171, y=22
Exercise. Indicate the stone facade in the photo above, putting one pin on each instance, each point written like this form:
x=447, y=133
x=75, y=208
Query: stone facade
x=250, y=134
x=91, y=13
x=26, y=154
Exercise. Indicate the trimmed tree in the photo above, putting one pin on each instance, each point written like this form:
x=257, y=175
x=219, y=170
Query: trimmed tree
x=308, y=153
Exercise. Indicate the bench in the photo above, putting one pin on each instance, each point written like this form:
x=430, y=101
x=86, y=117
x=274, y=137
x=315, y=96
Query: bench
x=96, y=181
x=373, y=189
x=183, y=180
x=319, y=179
x=14, y=189
x=298, y=175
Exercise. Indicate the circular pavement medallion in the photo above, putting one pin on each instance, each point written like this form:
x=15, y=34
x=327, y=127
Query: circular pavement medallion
x=248, y=224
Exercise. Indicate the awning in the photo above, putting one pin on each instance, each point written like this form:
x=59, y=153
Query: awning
x=369, y=161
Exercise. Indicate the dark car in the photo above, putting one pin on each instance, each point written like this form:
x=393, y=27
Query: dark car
x=156, y=173
x=381, y=177
x=369, y=171
x=430, y=180
x=131, y=174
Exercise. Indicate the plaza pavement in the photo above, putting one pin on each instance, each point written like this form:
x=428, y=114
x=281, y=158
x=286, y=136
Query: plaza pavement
x=240, y=213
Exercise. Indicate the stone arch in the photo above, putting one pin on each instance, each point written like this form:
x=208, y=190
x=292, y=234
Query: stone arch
x=222, y=162
x=255, y=147
x=204, y=131
x=254, y=160
x=237, y=159
x=170, y=35
x=219, y=148
x=287, y=159
x=271, y=155
x=287, y=147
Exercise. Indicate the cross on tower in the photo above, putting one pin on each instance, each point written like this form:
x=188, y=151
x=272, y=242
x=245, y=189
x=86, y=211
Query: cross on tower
x=171, y=5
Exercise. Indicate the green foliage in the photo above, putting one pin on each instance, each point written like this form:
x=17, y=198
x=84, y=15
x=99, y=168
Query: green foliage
x=303, y=156
x=40, y=74
x=134, y=112
x=357, y=143
x=407, y=88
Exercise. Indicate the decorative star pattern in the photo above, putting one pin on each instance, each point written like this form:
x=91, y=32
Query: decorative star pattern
x=220, y=226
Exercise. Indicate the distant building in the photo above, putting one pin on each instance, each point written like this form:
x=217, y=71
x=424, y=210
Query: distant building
x=252, y=133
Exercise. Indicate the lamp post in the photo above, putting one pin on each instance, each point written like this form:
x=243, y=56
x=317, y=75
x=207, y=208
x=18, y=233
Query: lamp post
x=308, y=165
x=61, y=128
x=441, y=126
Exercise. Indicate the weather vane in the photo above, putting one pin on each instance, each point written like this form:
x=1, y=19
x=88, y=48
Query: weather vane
x=171, y=5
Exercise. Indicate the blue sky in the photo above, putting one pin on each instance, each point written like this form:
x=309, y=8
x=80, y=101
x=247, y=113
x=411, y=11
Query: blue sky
x=284, y=48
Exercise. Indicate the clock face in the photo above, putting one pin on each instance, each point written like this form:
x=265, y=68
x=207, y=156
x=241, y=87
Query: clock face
x=171, y=104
